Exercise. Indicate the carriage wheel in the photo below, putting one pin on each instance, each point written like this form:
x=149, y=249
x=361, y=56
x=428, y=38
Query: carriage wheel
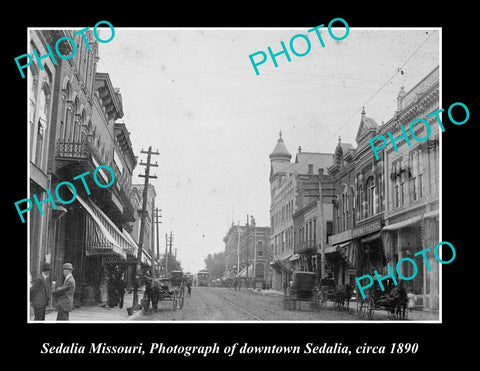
x=401, y=312
x=370, y=308
x=323, y=299
x=360, y=309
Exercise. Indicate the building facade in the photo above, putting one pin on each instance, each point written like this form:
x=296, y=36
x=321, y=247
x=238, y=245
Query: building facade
x=42, y=96
x=356, y=246
x=149, y=252
x=293, y=186
x=412, y=185
x=247, y=253
x=387, y=209
x=74, y=125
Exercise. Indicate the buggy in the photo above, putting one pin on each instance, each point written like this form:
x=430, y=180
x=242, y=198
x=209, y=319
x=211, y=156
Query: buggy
x=393, y=300
x=301, y=289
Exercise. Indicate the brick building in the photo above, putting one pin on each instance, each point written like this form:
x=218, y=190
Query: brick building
x=73, y=130
x=246, y=246
x=293, y=186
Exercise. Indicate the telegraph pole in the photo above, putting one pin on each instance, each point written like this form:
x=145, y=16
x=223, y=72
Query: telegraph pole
x=152, y=240
x=248, y=236
x=147, y=176
x=157, y=222
x=238, y=254
x=254, y=223
x=166, y=254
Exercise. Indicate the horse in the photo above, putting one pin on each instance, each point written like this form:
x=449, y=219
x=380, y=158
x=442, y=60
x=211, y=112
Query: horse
x=399, y=301
x=343, y=293
x=151, y=295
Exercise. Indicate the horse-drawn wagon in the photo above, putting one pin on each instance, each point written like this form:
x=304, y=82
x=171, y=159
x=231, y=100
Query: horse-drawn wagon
x=166, y=288
x=393, y=300
x=338, y=294
x=302, y=288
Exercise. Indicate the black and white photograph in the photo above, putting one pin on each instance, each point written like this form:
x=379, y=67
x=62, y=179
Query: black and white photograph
x=241, y=192
x=196, y=189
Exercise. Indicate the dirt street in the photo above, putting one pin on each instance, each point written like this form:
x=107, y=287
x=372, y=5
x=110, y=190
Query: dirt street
x=223, y=304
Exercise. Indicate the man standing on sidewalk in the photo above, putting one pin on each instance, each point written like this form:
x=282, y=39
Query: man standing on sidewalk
x=40, y=293
x=65, y=294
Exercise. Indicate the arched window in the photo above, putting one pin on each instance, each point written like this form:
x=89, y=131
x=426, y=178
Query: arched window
x=41, y=127
x=76, y=123
x=370, y=196
x=33, y=91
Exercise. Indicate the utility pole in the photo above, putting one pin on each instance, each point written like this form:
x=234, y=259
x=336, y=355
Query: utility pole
x=254, y=223
x=168, y=250
x=246, y=256
x=152, y=240
x=166, y=254
x=157, y=222
x=147, y=176
x=238, y=253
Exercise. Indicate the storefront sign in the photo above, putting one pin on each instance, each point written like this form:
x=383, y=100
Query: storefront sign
x=340, y=237
x=367, y=228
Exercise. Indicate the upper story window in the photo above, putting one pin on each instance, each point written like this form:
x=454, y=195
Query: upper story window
x=416, y=180
x=371, y=199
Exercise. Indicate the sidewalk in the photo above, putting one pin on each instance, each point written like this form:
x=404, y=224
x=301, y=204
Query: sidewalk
x=96, y=313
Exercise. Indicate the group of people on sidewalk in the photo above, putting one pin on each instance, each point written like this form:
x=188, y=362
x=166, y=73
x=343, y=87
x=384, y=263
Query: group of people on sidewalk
x=40, y=293
x=112, y=289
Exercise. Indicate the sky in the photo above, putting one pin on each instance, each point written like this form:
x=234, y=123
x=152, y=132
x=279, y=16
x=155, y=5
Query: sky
x=193, y=95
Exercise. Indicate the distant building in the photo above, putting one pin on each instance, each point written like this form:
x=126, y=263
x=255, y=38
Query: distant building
x=246, y=248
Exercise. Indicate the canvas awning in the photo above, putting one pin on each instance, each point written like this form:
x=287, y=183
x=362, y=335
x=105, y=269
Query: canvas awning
x=403, y=224
x=98, y=240
x=281, y=264
x=102, y=236
x=229, y=274
x=243, y=272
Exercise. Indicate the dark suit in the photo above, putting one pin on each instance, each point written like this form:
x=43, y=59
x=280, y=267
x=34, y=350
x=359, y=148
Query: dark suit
x=39, y=297
x=65, y=298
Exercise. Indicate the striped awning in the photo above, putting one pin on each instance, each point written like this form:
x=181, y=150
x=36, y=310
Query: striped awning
x=102, y=236
x=243, y=272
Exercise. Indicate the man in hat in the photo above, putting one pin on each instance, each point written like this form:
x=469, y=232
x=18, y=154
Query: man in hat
x=40, y=293
x=65, y=294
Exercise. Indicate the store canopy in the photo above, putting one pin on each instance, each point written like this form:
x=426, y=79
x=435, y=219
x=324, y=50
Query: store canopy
x=243, y=272
x=98, y=240
x=281, y=264
x=102, y=236
x=229, y=274
x=294, y=257
x=403, y=224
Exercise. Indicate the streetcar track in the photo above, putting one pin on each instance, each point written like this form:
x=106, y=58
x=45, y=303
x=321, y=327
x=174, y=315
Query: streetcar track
x=264, y=306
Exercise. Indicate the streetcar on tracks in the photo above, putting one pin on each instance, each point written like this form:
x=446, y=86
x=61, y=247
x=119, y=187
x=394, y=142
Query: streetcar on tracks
x=203, y=277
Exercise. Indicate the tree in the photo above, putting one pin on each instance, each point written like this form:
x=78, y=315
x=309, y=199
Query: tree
x=173, y=264
x=215, y=264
